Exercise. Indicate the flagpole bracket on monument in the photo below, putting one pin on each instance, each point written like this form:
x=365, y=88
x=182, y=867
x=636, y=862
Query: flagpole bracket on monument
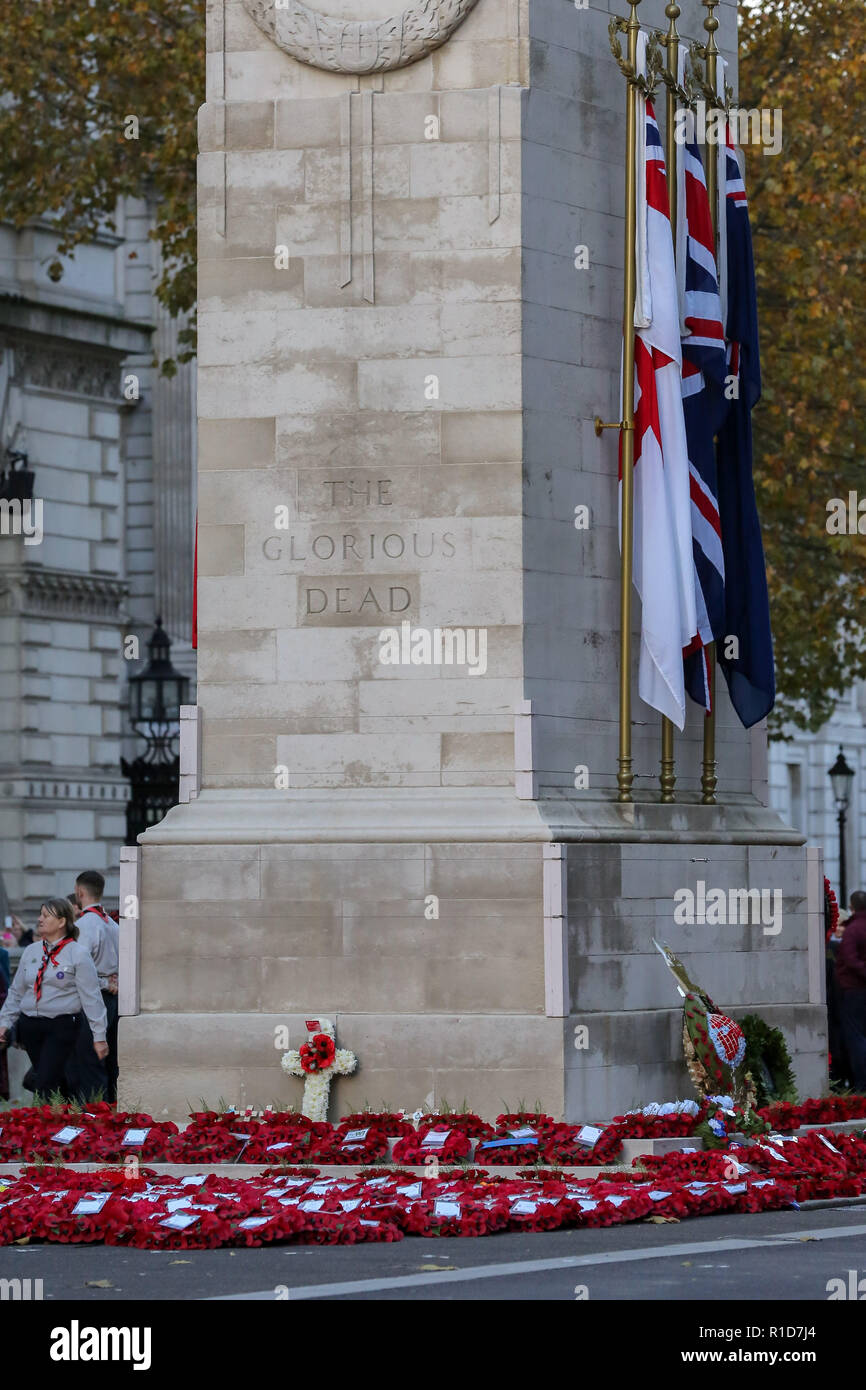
x=602, y=425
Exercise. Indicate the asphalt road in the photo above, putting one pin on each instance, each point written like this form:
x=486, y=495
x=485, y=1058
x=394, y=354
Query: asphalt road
x=786, y=1255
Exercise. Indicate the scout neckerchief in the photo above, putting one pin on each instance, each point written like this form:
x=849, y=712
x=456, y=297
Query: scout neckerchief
x=48, y=954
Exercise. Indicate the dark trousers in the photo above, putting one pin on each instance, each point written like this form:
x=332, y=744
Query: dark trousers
x=49, y=1043
x=111, y=1038
x=87, y=1071
x=852, y=1007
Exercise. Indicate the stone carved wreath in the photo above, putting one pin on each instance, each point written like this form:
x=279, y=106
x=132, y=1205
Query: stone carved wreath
x=372, y=45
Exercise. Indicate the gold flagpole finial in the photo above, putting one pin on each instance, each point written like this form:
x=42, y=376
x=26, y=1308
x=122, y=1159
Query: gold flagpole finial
x=711, y=24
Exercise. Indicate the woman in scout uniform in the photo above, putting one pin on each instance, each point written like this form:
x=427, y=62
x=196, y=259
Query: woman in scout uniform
x=56, y=981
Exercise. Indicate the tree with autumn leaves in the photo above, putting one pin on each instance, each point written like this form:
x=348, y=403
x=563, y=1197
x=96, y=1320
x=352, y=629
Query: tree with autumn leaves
x=99, y=100
x=74, y=73
x=807, y=58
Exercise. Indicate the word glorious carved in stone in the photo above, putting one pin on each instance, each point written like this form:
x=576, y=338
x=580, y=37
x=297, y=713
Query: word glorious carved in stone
x=372, y=45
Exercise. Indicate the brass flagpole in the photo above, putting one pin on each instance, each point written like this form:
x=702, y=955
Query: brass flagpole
x=667, y=776
x=708, y=767
x=625, y=776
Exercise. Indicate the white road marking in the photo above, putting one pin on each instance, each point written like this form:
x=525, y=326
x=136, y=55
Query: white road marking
x=520, y=1267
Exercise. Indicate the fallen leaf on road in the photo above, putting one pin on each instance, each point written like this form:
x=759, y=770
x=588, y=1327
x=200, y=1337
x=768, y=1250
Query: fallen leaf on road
x=662, y=1220
x=98, y=1284
x=686, y=1264
x=180, y=1262
x=22, y=1240
x=435, y=1268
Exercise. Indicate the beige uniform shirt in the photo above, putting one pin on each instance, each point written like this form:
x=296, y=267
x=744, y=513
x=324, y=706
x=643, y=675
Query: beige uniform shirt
x=70, y=985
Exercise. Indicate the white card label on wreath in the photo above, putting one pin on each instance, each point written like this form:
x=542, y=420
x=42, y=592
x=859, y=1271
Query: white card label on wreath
x=134, y=1137
x=773, y=1154
x=377, y=1182
x=355, y=1136
x=92, y=1203
x=178, y=1203
x=443, y=1207
x=586, y=1204
x=315, y=1205
x=195, y=1181
x=831, y=1147
x=527, y=1132
x=588, y=1135
x=523, y=1207
x=350, y=1203
x=659, y=1196
x=179, y=1221
x=435, y=1138
x=252, y=1222
x=733, y=1187
x=66, y=1135
x=286, y=1144
x=616, y=1201
x=318, y=1187
x=412, y=1189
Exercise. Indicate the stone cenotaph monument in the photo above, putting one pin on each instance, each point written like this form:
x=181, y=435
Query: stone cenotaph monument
x=400, y=796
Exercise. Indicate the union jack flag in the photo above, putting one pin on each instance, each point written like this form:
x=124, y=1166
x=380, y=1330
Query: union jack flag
x=704, y=407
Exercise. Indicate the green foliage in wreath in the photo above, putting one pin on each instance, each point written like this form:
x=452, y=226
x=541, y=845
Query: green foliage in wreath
x=769, y=1061
x=750, y=1125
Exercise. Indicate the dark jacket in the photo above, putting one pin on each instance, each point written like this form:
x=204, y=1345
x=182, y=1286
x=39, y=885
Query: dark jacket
x=851, y=954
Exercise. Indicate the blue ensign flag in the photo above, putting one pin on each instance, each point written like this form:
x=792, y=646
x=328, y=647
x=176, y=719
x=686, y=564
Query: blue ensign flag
x=745, y=651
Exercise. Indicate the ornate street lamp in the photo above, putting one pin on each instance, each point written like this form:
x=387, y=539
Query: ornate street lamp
x=156, y=694
x=841, y=776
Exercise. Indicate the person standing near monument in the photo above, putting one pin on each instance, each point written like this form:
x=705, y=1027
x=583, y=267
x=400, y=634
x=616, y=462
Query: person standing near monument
x=55, y=981
x=851, y=984
x=100, y=934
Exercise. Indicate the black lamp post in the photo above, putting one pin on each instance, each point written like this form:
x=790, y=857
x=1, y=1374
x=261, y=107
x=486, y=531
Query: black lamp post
x=841, y=776
x=156, y=694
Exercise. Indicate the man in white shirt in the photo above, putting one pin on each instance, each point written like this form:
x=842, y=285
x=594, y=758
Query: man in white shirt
x=100, y=934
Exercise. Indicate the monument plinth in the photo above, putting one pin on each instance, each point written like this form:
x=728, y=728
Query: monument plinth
x=401, y=355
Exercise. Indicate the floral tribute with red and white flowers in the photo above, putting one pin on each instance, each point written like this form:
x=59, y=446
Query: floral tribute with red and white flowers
x=291, y=1200
x=318, y=1061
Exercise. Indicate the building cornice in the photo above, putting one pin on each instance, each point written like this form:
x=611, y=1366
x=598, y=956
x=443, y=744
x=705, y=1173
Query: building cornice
x=61, y=593
x=110, y=333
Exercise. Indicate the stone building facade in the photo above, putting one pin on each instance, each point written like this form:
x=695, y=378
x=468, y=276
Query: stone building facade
x=113, y=466
x=800, y=786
